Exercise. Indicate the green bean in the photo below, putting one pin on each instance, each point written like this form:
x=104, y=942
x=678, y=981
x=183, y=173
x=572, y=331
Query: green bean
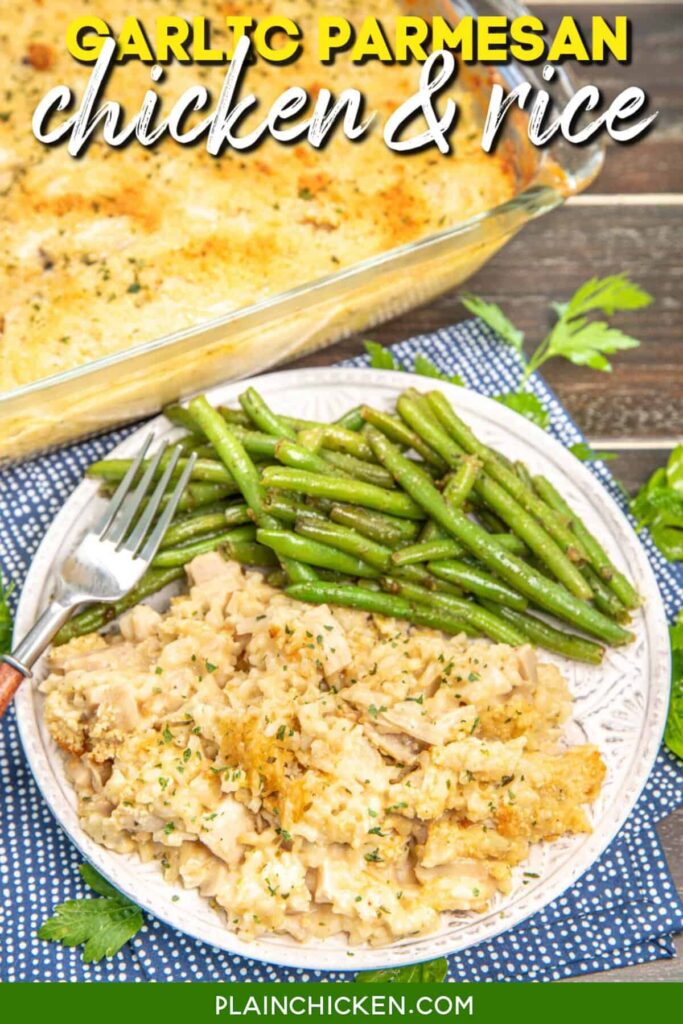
x=427, y=551
x=297, y=457
x=235, y=417
x=255, y=443
x=249, y=553
x=285, y=509
x=401, y=434
x=291, y=545
x=342, y=489
x=183, y=555
x=542, y=634
x=524, y=475
x=186, y=529
x=546, y=593
x=373, y=552
x=351, y=420
x=457, y=490
x=206, y=470
x=597, y=556
x=490, y=624
x=190, y=443
x=204, y=451
x=445, y=547
x=497, y=498
x=487, y=518
x=378, y=603
x=556, y=525
x=537, y=539
x=389, y=530
x=197, y=495
x=345, y=539
x=263, y=417
x=98, y=615
x=181, y=418
x=277, y=578
x=431, y=531
x=359, y=469
x=311, y=439
x=460, y=484
x=475, y=581
x=334, y=437
x=604, y=598
x=511, y=542
x=243, y=470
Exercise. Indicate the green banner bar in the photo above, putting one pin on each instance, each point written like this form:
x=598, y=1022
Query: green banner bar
x=351, y=1001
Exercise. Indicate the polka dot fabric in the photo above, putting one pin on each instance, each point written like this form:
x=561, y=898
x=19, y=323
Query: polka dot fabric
x=624, y=911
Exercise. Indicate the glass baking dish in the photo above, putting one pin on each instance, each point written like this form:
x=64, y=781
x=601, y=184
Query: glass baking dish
x=137, y=382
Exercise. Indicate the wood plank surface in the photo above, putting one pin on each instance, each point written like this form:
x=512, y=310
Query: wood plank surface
x=654, y=163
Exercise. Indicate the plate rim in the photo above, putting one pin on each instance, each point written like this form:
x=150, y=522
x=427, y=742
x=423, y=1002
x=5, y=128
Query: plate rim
x=392, y=381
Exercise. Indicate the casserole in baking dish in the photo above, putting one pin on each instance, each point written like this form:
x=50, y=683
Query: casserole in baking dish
x=133, y=276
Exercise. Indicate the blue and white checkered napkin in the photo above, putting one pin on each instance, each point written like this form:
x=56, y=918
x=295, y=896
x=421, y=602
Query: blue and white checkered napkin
x=623, y=911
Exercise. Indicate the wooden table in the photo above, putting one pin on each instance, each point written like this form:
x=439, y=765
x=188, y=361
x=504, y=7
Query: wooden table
x=631, y=220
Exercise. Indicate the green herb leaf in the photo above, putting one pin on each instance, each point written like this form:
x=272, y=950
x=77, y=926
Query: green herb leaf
x=102, y=926
x=380, y=357
x=426, y=368
x=97, y=883
x=609, y=295
x=673, y=734
x=527, y=405
x=587, y=342
x=495, y=318
x=584, y=453
x=659, y=506
x=5, y=617
x=674, y=469
x=430, y=970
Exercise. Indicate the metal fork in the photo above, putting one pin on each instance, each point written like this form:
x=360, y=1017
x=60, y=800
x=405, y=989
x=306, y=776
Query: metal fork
x=109, y=560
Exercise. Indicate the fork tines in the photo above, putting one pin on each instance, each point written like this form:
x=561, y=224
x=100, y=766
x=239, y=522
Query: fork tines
x=122, y=512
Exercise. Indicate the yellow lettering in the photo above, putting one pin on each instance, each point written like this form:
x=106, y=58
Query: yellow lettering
x=132, y=41
x=492, y=43
x=82, y=48
x=526, y=33
x=334, y=33
x=238, y=24
x=411, y=33
x=458, y=37
x=171, y=35
x=202, y=51
x=568, y=42
x=288, y=49
x=613, y=40
x=371, y=42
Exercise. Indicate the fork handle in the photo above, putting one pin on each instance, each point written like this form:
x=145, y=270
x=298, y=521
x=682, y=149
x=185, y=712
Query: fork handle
x=16, y=667
x=10, y=679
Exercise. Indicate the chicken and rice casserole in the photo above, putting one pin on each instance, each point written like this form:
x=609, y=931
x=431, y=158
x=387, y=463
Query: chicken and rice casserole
x=315, y=770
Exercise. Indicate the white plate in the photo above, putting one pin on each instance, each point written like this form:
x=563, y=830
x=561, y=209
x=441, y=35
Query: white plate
x=620, y=706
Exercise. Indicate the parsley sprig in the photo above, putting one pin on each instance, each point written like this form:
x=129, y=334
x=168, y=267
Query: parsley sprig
x=673, y=734
x=102, y=926
x=583, y=339
x=659, y=506
x=430, y=970
x=5, y=617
